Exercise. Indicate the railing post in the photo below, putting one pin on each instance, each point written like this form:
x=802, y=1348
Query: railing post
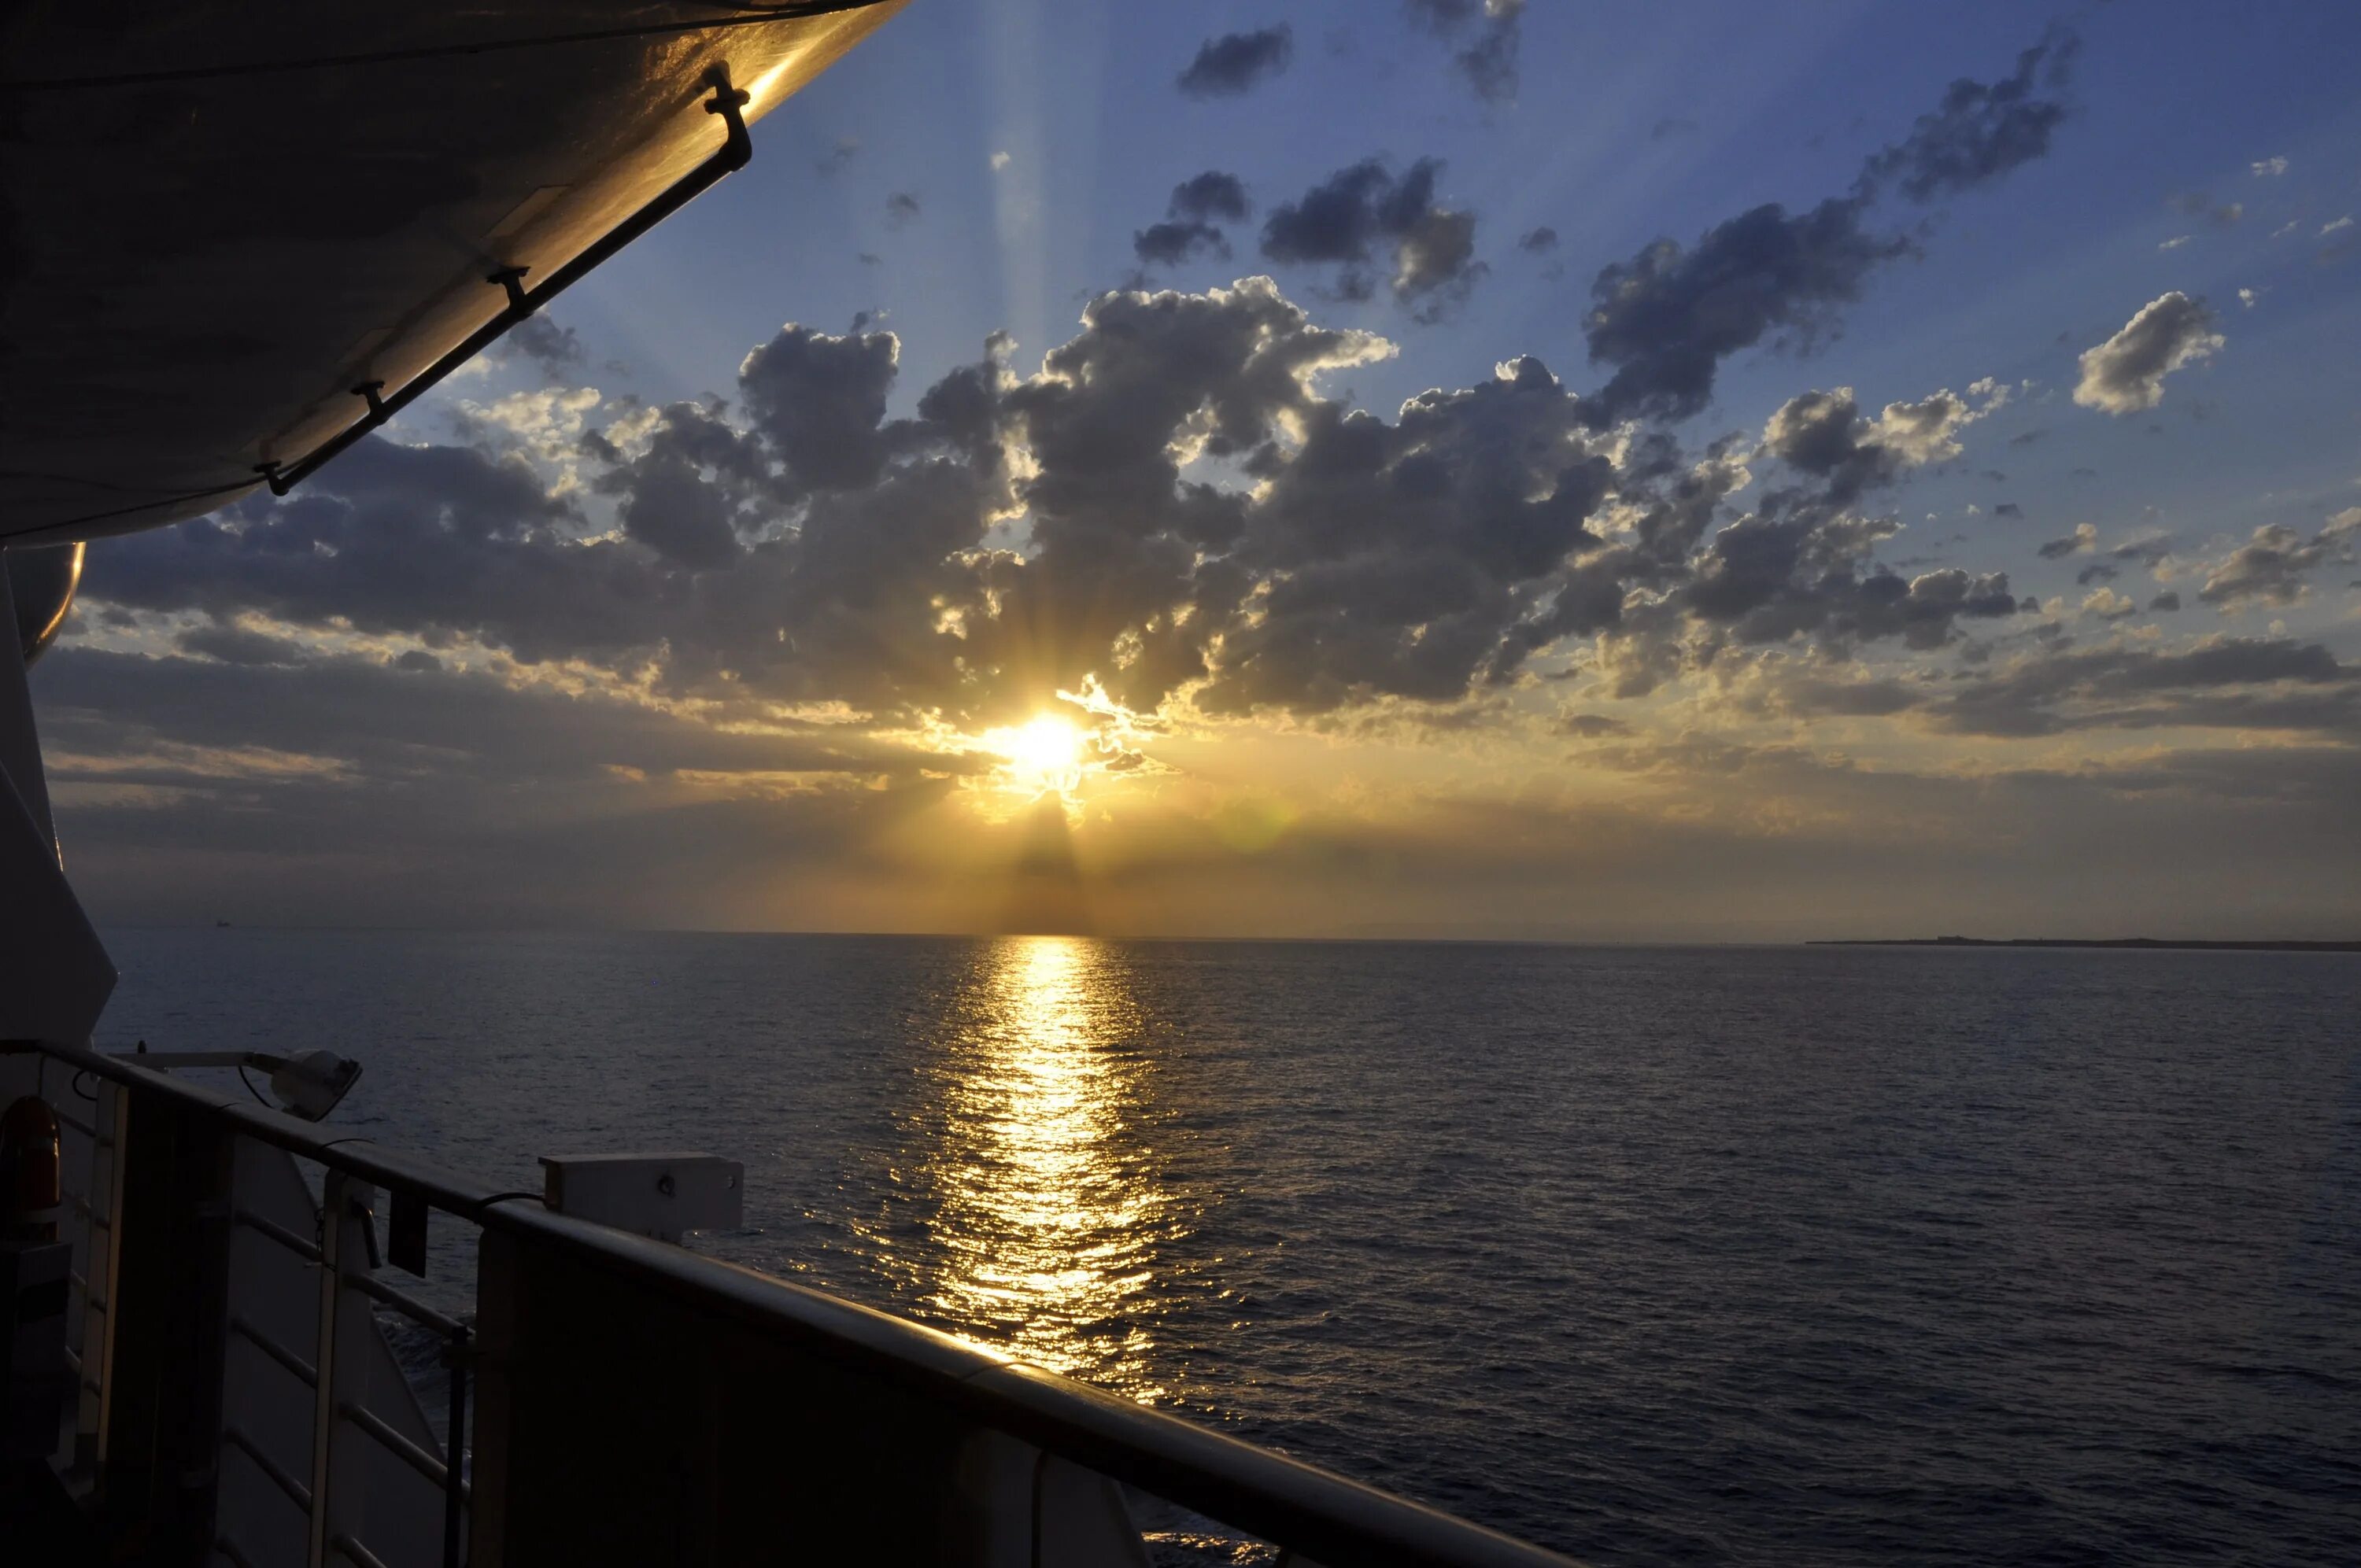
x=348, y=1243
x=168, y=1303
x=111, y=1115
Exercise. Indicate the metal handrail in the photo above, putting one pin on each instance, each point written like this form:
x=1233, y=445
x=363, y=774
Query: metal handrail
x=1314, y=1512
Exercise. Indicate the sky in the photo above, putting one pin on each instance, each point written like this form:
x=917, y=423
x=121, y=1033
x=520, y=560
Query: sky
x=1457, y=468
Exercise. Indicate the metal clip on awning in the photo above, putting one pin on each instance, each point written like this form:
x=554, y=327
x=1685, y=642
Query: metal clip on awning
x=736, y=150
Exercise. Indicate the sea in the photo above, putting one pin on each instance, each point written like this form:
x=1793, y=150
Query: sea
x=1822, y=1256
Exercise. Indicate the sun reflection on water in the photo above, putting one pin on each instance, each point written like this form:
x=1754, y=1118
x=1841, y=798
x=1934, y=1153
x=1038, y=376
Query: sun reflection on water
x=1049, y=1213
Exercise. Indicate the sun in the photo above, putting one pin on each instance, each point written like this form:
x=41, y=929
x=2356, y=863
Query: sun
x=1044, y=755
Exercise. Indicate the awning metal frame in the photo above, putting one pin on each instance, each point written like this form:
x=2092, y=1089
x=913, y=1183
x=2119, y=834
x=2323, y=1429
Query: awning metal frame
x=736, y=151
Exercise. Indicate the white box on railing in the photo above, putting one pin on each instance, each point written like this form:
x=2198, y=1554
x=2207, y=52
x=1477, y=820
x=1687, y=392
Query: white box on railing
x=660, y=1195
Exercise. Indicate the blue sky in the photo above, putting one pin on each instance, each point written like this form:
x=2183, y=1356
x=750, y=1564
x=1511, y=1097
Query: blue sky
x=2028, y=724
x=1771, y=105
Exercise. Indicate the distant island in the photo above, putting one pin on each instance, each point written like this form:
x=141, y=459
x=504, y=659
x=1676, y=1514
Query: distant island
x=2156, y=942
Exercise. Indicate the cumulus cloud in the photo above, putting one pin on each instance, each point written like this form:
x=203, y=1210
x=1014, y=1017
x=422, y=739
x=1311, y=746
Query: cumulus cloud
x=2271, y=567
x=2269, y=168
x=1365, y=217
x=1484, y=35
x=2125, y=374
x=2084, y=539
x=1824, y=435
x=1233, y=63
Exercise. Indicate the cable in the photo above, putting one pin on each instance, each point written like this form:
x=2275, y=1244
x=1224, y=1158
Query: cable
x=258, y=1099
x=753, y=17
x=242, y=485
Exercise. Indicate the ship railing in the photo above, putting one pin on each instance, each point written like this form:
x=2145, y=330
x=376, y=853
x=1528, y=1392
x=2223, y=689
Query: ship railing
x=605, y=1396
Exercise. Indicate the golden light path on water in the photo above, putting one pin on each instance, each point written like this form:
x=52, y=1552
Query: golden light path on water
x=1049, y=1213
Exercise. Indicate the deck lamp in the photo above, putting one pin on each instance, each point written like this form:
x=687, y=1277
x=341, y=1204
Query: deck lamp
x=308, y=1084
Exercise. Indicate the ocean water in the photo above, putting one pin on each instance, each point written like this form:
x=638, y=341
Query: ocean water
x=1829, y=1256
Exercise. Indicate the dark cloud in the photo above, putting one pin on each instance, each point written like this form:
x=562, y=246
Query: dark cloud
x=1538, y=242
x=1979, y=131
x=2264, y=684
x=2273, y=565
x=2084, y=538
x=1171, y=244
x=2233, y=683
x=2164, y=602
x=1484, y=35
x=237, y=645
x=1189, y=232
x=2096, y=572
x=1770, y=578
x=1824, y=435
x=553, y=348
x=1668, y=317
x=900, y=208
x=1229, y=65
x=1357, y=212
x=1208, y=196
x=2008, y=508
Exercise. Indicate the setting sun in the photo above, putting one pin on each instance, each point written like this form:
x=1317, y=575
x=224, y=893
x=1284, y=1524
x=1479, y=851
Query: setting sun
x=1044, y=755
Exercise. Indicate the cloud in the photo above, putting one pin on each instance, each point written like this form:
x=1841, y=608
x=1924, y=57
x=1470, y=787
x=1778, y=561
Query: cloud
x=1189, y=232
x=1981, y=131
x=2125, y=374
x=1668, y=317
x=2250, y=298
x=1229, y=65
x=901, y=207
x=2337, y=226
x=1541, y=241
x=2198, y=204
x=2106, y=604
x=1171, y=244
x=2175, y=243
x=1000, y=160
x=2164, y=602
x=2228, y=683
x=2084, y=539
x=2269, y=168
x=840, y=153
x=1826, y=435
x=553, y=348
x=2271, y=567
x=1211, y=195
x=1485, y=34
x=1360, y=212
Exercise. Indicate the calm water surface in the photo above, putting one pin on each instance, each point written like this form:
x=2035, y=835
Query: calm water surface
x=1798, y=1255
